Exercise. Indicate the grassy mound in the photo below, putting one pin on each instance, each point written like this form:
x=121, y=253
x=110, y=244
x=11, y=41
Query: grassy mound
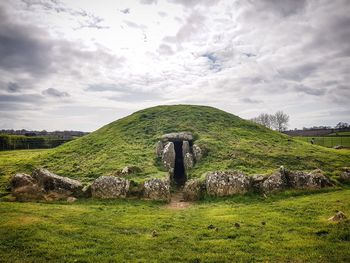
x=230, y=142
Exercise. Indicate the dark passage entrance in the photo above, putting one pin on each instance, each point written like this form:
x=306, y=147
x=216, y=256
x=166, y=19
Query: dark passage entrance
x=179, y=171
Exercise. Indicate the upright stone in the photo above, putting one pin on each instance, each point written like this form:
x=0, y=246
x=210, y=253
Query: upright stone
x=197, y=153
x=185, y=148
x=188, y=161
x=159, y=148
x=168, y=157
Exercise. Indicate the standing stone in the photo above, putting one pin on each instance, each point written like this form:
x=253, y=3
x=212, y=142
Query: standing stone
x=197, y=153
x=185, y=148
x=345, y=176
x=227, y=183
x=157, y=189
x=188, y=161
x=110, y=187
x=159, y=148
x=168, y=157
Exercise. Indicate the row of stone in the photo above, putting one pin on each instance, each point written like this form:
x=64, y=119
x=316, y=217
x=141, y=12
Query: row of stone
x=227, y=183
x=44, y=185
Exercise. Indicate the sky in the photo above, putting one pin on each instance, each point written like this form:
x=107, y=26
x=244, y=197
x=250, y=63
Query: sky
x=78, y=65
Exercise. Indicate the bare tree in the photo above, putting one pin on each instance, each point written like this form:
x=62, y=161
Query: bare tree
x=278, y=121
x=281, y=120
x=264, y=119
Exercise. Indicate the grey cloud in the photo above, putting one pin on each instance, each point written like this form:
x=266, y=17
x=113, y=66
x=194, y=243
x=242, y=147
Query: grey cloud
x=283, y=8
x=102, y=87
x=298, y=72
x=55, y=93
x=125, y=11
x=148, y=2
x=310, y=91
x=22, y=98
x=92, y=21
x=165, y=49
x=162, y=14
x=134, y=25
x=39, y=55
x=251, y=101
x=193, y=3
x=13, y=87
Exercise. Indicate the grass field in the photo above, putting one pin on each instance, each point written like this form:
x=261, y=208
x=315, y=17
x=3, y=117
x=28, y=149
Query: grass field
x=328, y=141
x=286, y=227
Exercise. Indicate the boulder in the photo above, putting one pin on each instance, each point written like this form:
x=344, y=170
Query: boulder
x=338, y=147
x=188, y=161
x=227, y=183
x=108, y=187
x=19, y=180
x=168, y=156
x=129, y=170
x=157, y=189
x=302, y=180
x=159, y=148
x=52, y=182
x=339, y=216
x=273, y=183
x=177, y=137
x=345, y=176
x=193, y=190
x=257, y=182
x=197, y=153
x=44, y=185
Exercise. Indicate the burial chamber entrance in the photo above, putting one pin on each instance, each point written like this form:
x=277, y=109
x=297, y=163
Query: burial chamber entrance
x=177, y=154
x=179, y=176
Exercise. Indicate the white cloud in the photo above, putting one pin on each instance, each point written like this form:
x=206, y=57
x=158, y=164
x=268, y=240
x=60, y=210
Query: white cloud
x=117, y=57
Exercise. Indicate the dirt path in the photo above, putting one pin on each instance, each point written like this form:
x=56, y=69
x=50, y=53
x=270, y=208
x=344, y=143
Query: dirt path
x=177, y=201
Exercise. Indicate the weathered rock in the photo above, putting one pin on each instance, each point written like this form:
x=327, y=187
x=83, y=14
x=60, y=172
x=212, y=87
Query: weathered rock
x=227, y=183
x=56, y=183
x=19, y=180
x=107, y=187
x=338, y=147
x=159, y=148
x=193, y=190
x=302, y=180
x=87, y=191
x=130, y=170
x=71, y=199
x=177, y=136
x=257, y=182
x=273, y=183
x=157, y=189
x=188, y=161
x=197, y=153
x=185, y=148
x=345, y=176
x=29, y=192
x=168, y=157
x=339, y=216
x=43, y=185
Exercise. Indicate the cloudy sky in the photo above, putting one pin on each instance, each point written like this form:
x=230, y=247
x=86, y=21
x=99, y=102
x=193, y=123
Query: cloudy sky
x=82, y=64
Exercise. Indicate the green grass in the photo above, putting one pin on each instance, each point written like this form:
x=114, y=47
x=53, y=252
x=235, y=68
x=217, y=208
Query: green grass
x=296, y=230
x=230, y=143
x=341, y=133
x=328, y=141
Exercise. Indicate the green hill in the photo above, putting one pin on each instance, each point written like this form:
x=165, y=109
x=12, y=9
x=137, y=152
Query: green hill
x=230, y=142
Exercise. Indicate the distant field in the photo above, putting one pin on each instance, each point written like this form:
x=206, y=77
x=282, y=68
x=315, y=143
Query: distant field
x=328, y=141
x=341, y=133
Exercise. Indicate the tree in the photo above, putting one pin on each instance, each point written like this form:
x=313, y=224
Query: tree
x=342, y=125
x=281, y=120
x=264, y=119
x=278, y=121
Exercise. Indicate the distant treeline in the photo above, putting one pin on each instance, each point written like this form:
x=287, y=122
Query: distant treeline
x=17, y=142
x=56, y=134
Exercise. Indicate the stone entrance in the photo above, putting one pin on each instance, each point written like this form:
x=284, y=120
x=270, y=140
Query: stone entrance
x=179, y=154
